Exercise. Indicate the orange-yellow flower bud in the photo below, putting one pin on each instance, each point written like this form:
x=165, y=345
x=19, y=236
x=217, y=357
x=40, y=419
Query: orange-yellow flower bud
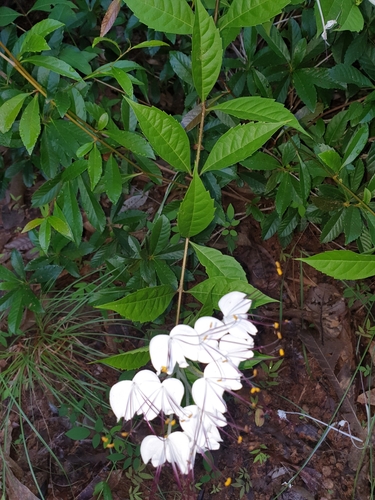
x=282, y=352
x=239, y=440
x=228, y=482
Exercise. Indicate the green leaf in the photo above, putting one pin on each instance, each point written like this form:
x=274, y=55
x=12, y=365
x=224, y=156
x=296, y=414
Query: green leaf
x=332, y=159
x=160, y=235
x=219, y=286
x=74, y=170
x=164, y=273
x=133, y=142
x=33, y=43
x=72, y=212
x=239, y=143
x=243, y=13
x=62, y=101
x=305, y=89
x=275, y=41
x=207, y=52
x=333, y=227
x=165, y=134
x=44, y=235
x=181, y=65
x=30, y=124
x=7, y=16
x=123, y=80
x=91, y=206
x=32, y=225
x=9, y=111
x=112, y=180
x=149, y=43
x=78, y=433
x=217, y=264
x=343, y=264
x=259, y=109
x=6, y=275
x=349, y=74
x=47, y=192
x=55, y=65
x=94, y=166
x=167, y=16
x=60, y=226
x=353, y=224
x=16, y=311
x=131, y=360
x=284, y=194
x=356, y=144
x=144, y=305
x=196, y=210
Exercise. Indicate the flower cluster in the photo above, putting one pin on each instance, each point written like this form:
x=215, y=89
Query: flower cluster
x=221, y=345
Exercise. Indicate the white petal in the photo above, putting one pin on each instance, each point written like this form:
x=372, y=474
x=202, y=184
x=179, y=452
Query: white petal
x=209, y=327
x=208, y=396
x=234, y=303
x=153, y=448
x=159, y=353
x=187, y=340
x=224, y=374
x=179, y=450
x=122, y=399
x=237, y=349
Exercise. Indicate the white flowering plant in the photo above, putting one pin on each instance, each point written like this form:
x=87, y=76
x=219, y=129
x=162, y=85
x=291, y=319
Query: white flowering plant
x=221, y=346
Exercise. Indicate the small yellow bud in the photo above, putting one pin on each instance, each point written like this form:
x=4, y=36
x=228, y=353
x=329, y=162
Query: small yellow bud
x=164, y=369
x=105, y=439
x=167, y=421
x=279, y=336
x=278, y=268
x=253, y=390
x=124, y=434
x=110, y=445
x=281, y=352
x=239, y=440
x=228, y=482
x=255, y=372
x=276, y=326
x=173, y=422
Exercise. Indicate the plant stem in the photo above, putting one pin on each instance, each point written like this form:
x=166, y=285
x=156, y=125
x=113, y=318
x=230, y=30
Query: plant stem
x=181, y=287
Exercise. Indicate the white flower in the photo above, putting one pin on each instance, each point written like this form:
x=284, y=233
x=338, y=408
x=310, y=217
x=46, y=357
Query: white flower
x=175, y=449
x=201, y=427
x=167, y=350
x=234, y=306
x=166, y=398
x=236, y=349
x=127, y=397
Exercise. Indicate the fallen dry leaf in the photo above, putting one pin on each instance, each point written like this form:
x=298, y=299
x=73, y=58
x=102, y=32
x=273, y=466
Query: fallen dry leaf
x=367, y=397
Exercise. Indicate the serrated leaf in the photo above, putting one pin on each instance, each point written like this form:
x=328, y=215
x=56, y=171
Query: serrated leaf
x=144, y=305
x=112, y=180
x=160, y=235
x=196, y=210
x=30, y=124
x=55, y=65
x=244, y=13
x=352, y=224
x=44, y=235
x=219, y=286
x=333, y=227
x=130, y=360
x=60, y=226
x=305, y=89
x=47, y=192
x=207, y=52
x=9, y=111
x=72, y=212
x=165, y=134
x=239, y=143
x=332, y=159
x=343, y=264
x=284, y=194
x=259, y=109
x=94, y=166
x=356, y=144
x=133, y=142
x=110, y=17
x=16, y=311
x=92, y=207
x=181, y=65
x=32, y=225
x=217, y=264
x=167, y=16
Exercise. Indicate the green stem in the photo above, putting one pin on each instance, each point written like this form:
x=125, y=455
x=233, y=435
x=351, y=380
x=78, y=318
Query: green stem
x=181, y=287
